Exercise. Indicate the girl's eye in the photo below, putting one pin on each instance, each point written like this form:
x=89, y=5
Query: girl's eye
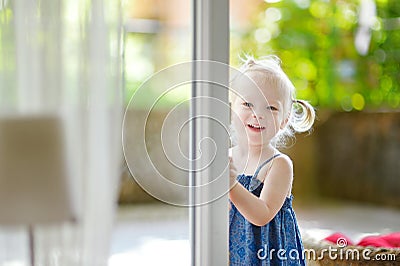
x=247, y=104
x=272, y=108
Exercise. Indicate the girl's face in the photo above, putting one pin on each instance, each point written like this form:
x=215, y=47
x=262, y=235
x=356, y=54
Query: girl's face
x=258, y=112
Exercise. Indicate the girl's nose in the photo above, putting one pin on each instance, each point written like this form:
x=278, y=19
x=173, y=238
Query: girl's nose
x=259, y=116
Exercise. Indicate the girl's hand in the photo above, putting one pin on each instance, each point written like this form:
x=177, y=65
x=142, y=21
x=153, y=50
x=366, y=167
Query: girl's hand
x=232, y=173
x=232, y=177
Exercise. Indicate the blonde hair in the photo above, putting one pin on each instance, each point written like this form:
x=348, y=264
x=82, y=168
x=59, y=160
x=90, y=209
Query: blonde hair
x=300, y=113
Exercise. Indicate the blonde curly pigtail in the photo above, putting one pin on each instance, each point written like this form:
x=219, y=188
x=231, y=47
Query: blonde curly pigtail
x=303, y=116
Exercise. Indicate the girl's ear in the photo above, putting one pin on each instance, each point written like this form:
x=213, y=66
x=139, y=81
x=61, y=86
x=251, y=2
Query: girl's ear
x=284, y=122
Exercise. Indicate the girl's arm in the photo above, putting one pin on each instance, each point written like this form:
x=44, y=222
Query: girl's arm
x=260, y=211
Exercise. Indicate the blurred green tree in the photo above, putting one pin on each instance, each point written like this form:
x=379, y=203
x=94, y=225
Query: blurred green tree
x=340, y=54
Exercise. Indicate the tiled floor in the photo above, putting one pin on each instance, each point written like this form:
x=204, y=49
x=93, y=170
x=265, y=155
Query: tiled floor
x=155, y=234
x=353, y=220
x=158, y=234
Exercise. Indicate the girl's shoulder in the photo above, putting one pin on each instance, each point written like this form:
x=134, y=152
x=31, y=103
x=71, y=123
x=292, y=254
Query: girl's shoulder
x=280, y=164
x=284, y=161
x=284, y=157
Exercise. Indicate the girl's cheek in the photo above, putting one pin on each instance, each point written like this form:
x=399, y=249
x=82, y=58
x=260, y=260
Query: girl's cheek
x=235, y=112
x=235, y=122
x=238, y=126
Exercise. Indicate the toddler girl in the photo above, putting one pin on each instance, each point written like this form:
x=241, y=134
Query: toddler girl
x=263, y=228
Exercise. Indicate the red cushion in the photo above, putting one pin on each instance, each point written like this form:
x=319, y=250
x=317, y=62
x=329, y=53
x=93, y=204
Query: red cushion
x=388, y=241
x=339, y=239
x=393, y=239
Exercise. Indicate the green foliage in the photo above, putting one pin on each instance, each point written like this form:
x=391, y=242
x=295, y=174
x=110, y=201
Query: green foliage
x=146, y=55
x=315, y=40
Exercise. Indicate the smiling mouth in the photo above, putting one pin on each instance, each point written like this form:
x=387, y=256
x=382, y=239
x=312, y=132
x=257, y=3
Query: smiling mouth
x=255, y=127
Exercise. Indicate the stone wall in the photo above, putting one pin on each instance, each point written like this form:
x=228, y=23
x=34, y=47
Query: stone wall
x=352, y=156
x=358, y=157
x=157, y=146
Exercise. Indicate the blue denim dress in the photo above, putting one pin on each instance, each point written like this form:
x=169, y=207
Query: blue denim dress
x=276, y=243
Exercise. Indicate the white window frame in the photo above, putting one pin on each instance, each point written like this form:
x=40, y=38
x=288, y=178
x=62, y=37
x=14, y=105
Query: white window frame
x=209, y=222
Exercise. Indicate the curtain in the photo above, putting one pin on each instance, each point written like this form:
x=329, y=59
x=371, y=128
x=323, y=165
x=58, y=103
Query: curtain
x=60, y=86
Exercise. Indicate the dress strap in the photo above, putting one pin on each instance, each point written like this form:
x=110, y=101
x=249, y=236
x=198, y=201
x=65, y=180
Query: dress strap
x=264, y=163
